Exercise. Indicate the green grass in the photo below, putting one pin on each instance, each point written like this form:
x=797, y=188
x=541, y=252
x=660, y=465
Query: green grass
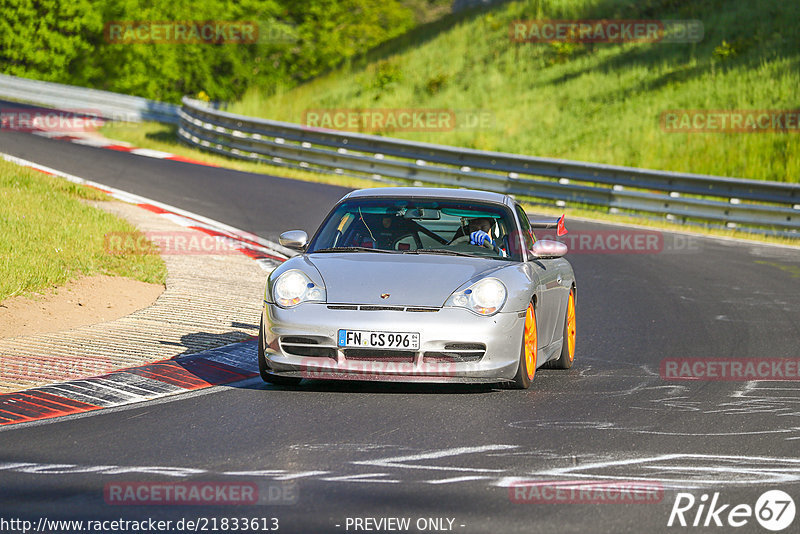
x=598, y=103
x=51, y=235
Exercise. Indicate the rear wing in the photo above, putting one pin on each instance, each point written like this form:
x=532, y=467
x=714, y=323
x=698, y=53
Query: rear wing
x=558, y=224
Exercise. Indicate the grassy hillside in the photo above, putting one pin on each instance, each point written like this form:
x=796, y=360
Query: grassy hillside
x=593, y=102
x=72, y=41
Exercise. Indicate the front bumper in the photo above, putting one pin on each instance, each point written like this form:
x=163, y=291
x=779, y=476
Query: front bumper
x=455, y=344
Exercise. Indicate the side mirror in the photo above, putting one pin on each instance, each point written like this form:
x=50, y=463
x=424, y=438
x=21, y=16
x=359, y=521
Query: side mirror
x=545, y=249
x=295, y=239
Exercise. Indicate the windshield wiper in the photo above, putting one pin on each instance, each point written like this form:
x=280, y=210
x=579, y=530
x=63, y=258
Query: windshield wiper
x=354, y=249
x=442, y=251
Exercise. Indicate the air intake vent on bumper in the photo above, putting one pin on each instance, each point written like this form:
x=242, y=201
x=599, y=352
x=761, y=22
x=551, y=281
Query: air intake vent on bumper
x=458, y=353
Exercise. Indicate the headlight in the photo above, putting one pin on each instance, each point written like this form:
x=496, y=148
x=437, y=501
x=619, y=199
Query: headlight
x=484, y=297
x=293, y=287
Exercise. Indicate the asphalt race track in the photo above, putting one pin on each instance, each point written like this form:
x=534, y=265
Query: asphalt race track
x=326, y=452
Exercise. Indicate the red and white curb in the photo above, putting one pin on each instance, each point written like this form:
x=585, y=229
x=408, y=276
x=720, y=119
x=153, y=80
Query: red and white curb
x=267, y=253
x=101, y=142
x=224, y=365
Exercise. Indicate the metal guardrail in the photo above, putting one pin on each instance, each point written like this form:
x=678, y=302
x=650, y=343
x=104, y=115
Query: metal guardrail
x=761, y=206
x=104, y=104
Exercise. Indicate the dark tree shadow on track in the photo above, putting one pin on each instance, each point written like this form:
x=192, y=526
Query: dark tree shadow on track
x=197, y=342
x=384, y=388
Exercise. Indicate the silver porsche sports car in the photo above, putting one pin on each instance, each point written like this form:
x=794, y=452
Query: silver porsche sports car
x=420, y=284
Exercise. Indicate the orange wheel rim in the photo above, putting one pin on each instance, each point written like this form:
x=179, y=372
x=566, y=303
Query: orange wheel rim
x=571, y=326
x=530, y=341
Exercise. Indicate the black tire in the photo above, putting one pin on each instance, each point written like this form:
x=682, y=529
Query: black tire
x=266, y=376
x=522, y=380
x=564, y=361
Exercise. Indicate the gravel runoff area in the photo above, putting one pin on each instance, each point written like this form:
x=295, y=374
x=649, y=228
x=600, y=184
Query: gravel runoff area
x=209, y=301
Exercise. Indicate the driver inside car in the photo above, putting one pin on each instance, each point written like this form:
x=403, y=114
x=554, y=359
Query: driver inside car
x=479, y=231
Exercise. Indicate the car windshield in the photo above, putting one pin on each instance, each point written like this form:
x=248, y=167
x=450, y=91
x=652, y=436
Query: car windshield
x=419, y=226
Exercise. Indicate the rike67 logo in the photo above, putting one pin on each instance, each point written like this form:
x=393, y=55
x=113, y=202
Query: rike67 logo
x=774, y=510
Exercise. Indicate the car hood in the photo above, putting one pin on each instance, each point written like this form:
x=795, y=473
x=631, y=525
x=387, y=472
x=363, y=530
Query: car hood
x=409, y=279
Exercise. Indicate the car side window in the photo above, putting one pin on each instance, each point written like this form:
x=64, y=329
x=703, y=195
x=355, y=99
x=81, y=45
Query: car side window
x=525, y=225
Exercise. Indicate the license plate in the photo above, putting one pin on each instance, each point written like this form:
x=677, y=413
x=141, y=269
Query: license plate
x=368, y=339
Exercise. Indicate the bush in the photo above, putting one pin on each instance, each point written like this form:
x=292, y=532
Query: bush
x=387, y=73
x=64, y=41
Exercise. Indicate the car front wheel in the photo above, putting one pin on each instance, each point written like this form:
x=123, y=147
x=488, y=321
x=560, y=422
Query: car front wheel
x=528, y=352
x=568, y=344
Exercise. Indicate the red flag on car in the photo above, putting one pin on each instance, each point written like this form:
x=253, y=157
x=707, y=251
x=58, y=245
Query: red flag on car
x=560, y=228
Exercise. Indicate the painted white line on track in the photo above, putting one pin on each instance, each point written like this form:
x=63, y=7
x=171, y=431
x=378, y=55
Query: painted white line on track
x=89, y=141
x=399, y=461
x=366, y=477
x=150, y=153
x=452, y=480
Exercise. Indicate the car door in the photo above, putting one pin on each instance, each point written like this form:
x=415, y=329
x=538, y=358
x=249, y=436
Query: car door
x=546, y=275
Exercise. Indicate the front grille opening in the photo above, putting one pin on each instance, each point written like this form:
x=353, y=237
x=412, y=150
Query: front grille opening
x=379, y=354
x=310, y=352
x=453, y=357
x=465, y=346
x=306, y=347
x=457, y=353
x=300, y=340
x=371, y=307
